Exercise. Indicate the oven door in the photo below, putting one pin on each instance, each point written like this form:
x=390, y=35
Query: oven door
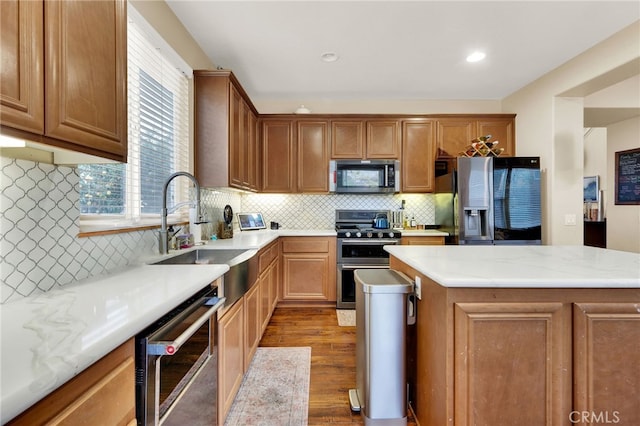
x=347, y=284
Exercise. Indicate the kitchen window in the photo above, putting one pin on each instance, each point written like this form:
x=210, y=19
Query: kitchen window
x=117, y=195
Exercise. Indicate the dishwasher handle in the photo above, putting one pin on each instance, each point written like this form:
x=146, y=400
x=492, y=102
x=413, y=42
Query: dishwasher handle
x=171, y=347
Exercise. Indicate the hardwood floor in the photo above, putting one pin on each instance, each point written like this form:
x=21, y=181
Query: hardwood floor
x=333, y=360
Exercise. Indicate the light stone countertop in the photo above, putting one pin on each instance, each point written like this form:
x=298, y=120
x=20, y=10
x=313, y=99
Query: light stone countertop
x=49, y=338
x=522, y=266
x=423, y=233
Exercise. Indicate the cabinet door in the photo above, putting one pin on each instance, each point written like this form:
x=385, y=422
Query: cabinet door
x=274, y=281
x=231, y=357
x=21, y=69
x=305, y=276
x=501, y=130
x=253, y=157
x=383, y=139
x=313, y=156
x=511, y=362
x=252, y=322
x=418, y=156
x=85, y=87
x=102, y=394
x=606, y=344
x=278, y=156
x=265, y=298
x=237, y=143
x=347, y=139
x=454, y=135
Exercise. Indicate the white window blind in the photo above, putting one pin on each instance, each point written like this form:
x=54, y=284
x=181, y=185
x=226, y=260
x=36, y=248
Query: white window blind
x=158, y=138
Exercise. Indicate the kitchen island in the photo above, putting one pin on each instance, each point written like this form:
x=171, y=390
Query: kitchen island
x=523, y=334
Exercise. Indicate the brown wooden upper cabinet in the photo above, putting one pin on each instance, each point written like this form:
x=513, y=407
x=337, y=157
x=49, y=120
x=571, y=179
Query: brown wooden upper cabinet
x=313, y=156
x=226, y=132
x=365, y=139
x=295, y=155
x=418, y=156
x=64, y=72
x=454, y=134
x=278, y=156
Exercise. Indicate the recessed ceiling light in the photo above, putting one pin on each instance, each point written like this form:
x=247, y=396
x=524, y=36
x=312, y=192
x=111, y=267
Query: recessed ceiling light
x=329, y=57
x=476, y=56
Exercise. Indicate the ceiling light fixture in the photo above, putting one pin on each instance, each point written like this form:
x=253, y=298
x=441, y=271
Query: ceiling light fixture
x=303, y=110
x=476, y=56
x=329, y=56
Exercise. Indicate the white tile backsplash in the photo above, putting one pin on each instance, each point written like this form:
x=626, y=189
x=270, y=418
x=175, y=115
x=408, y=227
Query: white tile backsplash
x=39, y=215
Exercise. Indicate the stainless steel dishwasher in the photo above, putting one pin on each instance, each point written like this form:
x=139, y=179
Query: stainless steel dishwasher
x=174, y=352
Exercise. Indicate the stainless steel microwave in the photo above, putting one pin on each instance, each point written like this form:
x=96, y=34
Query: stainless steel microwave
x=364, y=176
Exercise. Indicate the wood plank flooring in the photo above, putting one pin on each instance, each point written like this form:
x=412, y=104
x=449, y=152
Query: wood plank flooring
x=333, y=360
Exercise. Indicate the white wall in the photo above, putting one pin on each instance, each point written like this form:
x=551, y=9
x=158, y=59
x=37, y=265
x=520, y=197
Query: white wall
x=623, y=221
x=549, y=125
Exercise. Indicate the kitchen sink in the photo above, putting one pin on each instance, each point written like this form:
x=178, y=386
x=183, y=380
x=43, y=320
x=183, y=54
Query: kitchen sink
x=202, y=256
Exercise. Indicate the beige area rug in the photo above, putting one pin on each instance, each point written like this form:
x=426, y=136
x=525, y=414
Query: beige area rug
x=346, y=317
x=275, y=389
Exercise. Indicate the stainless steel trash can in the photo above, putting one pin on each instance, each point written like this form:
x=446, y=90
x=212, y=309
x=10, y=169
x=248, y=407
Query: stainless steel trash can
x=381, y=325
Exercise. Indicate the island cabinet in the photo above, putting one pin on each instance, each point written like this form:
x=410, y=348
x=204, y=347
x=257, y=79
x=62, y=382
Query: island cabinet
x=226, y=133
x=308, y=270
x=455, y=133
x=365, y=138
x=104, y=393
x=418, y=156
x=544, y=356
x=63, y=78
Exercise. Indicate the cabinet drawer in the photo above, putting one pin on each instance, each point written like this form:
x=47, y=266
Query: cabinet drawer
x=266, y=256
x=306, y=245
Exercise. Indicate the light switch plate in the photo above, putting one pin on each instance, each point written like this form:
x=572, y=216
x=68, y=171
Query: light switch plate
x=570, y=220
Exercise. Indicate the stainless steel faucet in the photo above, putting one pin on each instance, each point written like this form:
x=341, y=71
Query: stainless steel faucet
x=163, y=237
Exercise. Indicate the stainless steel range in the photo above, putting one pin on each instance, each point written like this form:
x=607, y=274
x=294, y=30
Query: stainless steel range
x=360, y=245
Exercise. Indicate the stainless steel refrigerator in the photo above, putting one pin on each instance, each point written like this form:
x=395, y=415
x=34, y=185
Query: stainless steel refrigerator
x=491, y=200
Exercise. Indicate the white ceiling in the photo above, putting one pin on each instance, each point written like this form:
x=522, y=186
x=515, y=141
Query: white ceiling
x=396, y=50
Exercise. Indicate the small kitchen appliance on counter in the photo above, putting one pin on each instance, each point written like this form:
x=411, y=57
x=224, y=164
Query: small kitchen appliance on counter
x=225, y=229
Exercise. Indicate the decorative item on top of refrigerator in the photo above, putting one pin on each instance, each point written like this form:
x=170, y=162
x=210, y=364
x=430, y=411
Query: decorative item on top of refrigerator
x=491, y=200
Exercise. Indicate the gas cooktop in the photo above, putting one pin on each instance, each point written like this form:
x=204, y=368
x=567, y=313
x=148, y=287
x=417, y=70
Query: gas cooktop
x=359, y=224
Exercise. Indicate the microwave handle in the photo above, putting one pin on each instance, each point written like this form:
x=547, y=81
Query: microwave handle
x=333, y=176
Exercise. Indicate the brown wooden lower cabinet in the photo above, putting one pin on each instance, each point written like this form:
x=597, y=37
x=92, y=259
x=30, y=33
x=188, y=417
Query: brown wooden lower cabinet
x=308, y=269
x=506, y=356
x=606, y=362
x=509, y=356
x=240, y=327
x=102, y=394
x=230, y=357
x=422, y=240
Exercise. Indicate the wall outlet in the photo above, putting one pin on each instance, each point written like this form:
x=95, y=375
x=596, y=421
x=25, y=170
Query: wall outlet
x=418, y=287
x=570, y=220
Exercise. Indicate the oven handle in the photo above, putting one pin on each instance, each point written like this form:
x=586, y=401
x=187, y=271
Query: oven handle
x=170, y=348
x=384, y=242
x=347, y=266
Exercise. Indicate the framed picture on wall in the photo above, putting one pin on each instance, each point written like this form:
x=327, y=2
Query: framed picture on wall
x=627, y=175
x=591, y=189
